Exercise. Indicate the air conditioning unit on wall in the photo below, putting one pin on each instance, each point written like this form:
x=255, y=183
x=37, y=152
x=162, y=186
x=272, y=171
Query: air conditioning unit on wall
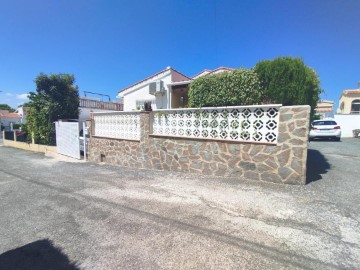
x=157, y=88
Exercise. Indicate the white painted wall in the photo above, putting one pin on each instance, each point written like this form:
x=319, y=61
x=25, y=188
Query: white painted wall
x=5, y=121
x=347, y=122
x=142, y=93
x=84, y=113
x=22, y=113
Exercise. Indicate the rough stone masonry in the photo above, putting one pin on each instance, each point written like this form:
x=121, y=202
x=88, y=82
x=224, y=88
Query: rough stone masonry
x=284, y=162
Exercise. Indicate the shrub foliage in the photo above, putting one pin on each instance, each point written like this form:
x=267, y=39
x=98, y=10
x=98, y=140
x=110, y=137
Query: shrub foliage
x=6, y=107
x=56, y=98
x=289, y=81
x=238, y=87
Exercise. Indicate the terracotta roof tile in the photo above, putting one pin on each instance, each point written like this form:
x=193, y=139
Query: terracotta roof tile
x=10, y=115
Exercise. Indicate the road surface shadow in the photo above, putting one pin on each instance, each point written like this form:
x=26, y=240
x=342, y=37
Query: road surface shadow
x=316, y=165
x=37, y=255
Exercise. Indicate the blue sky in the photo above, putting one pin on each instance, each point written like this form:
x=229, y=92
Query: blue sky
x=109, y=45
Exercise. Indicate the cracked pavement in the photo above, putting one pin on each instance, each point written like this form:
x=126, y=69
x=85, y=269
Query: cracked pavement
x=106, y=217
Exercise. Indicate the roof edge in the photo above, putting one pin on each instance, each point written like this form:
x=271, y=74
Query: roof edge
x=143, y=80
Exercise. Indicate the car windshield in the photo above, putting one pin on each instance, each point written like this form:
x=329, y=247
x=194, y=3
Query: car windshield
x=324, y=123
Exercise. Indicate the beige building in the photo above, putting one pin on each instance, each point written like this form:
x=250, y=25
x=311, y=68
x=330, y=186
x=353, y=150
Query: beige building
x=325, y=108
x=349, y=102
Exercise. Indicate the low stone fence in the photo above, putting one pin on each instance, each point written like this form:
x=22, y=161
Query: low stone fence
x=28, y=146
x=279, y=158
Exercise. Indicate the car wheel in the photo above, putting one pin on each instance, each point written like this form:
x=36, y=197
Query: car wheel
x=337, y=139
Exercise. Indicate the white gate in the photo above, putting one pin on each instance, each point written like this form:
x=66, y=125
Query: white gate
x=67, y=138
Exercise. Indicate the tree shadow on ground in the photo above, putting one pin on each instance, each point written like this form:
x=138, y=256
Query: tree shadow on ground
x=316, y=165
x=37, y=255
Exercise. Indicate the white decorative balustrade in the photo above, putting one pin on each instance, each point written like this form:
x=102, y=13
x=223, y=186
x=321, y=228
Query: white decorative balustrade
x=258, y=123
x=117, y=125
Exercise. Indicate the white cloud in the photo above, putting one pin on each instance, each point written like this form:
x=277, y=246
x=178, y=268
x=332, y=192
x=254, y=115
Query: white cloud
x=22, y=96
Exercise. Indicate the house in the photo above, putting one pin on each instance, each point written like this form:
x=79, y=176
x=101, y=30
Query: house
x=88, y=105
x=325, y=108
x=166, y=89
x=22, y=112
x=348, y=113
x=7, y=118
x=349, y=102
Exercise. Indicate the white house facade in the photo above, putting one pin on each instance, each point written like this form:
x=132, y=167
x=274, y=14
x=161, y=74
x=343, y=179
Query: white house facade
x=7, y=118
x=22, y=112
x=167, y=89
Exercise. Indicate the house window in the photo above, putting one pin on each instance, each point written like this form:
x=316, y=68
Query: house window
x=355, y=106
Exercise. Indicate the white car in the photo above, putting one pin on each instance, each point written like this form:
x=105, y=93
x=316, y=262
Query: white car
x=325, y=129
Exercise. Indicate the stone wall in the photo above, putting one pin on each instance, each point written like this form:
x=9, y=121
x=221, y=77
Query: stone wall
x=284, y=162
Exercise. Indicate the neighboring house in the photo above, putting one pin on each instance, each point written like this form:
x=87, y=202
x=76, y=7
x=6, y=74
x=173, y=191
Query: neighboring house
x=348, y=113
x=6, y=118
x=349, y=102
x=167, y=89
x=22, y=112
x=325, y=108
x=88, y=105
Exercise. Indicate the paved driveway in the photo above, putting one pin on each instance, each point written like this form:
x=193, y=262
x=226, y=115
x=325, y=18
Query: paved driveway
x=63, y=215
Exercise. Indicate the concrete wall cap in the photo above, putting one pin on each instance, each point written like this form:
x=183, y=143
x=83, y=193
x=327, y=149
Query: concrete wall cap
x=296, y=106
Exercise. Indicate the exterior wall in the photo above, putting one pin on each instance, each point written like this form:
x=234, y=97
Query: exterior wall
x=347, y=100
x=142, y=93
x=178, y=77
x=22, y=112
x=85, y=113
x=284, y=162
x=5, y=121
x=348, y=122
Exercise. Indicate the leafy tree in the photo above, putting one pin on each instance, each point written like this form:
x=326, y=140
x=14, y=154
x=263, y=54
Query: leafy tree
x=289, y=81
x=6, y=107
x=25, y=104
x=56, y=98
x=238, y=87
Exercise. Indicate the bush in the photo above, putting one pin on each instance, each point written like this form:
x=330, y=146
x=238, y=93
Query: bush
x=289, y=81
x=233, y=88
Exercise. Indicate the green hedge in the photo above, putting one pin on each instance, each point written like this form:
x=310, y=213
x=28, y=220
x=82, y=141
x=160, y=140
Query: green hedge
x=233, y=88
x=289, y=81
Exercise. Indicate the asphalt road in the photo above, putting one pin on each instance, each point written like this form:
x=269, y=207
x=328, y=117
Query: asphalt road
x=73, y=215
